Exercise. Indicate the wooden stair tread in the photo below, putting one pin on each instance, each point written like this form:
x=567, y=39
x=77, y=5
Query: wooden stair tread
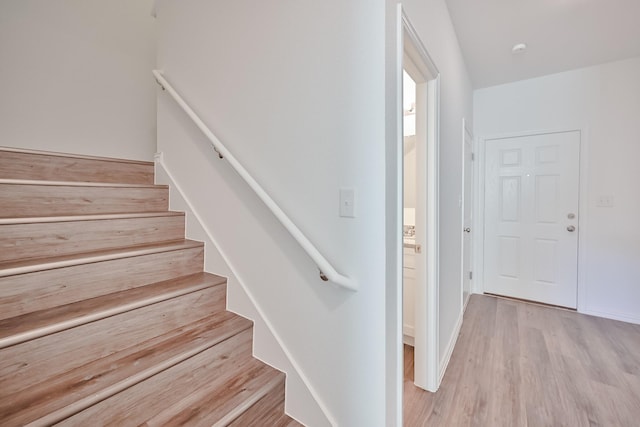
x=10, y=181
x=208, y=389
x=221, y=401
x=31, y=164
x=24, y=198
x=75, y=390
x=74, y=156
x=268, y=411
x=29, y=326
x=43, y=289
x=38, y=264
x=44, y=239
x=90, y=217
x=33, y=361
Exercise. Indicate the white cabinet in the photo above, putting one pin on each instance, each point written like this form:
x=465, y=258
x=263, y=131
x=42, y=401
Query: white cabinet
x=408, y=297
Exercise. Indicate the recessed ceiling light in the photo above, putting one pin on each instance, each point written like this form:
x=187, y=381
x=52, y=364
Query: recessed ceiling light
x=518, y=48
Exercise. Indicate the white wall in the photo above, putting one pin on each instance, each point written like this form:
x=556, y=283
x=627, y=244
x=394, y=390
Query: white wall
x=604, y=101
x=75, y=76
x=410, y=172
x=296, y=90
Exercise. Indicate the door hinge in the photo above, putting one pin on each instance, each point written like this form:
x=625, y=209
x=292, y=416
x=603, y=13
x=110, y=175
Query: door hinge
x=473, y=156
x=471, y=275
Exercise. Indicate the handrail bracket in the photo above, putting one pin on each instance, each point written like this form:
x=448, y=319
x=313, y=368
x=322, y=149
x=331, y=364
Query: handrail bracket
x=160, y=84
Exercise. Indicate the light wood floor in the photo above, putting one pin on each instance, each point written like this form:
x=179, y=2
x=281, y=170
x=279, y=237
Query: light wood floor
x=524, y=365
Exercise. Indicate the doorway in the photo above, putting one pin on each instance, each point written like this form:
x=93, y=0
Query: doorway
x=531, y=200
x=423, y=247
x=412, y=262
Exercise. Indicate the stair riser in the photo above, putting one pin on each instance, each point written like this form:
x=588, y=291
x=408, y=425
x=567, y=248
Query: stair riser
x=29, y=200
x=17, y=165
x=137, y=404
x=25, y=293
x=23, y=365
x=36, y=240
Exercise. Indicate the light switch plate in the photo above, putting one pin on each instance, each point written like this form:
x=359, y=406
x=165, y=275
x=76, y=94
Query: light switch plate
x=347, y=202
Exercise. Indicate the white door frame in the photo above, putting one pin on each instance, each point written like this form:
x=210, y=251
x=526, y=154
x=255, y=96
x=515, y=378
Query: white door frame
x=478, y=285
x=413, y=57
x=466, y=131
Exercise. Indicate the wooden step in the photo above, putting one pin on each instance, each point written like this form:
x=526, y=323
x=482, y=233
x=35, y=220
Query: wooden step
x=201, y=391
x=46, y=166
x=52, y=282
x=54, y=236
x=220, y=402
x=40, y=345
x=21, y=198
x=77, y=389
x=38, y=264
x=268, y=411
x=34, y=325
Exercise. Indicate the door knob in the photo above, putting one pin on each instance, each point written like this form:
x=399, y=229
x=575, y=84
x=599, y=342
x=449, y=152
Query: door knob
x=571, y=228
x=467, y=230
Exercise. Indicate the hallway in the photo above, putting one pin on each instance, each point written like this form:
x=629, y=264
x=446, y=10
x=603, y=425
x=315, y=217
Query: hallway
x=518, y=364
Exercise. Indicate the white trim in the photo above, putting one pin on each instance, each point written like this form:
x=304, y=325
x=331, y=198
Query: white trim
x=450, y=347
x=408, y=330
x=583, y=206
x=477, y=238
x=461, y=206
x=612, y=316
x=478, y=222
x=408, y=335
x=465, y=131
x=426, y=324
x=327, y=271
x=583, y=220
x=159, y=161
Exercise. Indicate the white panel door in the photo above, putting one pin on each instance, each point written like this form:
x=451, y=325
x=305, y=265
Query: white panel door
x=531, y=217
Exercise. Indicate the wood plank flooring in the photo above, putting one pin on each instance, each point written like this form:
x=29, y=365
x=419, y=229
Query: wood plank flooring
x=524, y=365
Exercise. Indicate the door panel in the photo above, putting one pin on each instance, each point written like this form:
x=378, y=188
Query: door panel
x=531, y=201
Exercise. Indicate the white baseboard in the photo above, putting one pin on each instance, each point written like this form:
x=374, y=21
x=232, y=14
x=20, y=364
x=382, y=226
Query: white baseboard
x=450, y=347
x=408, y=340
x=612, y=316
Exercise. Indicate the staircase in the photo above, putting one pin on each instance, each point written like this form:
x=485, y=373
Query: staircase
x=106, y=315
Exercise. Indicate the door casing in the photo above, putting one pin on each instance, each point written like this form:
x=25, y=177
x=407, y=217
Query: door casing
x=467, y=203
x=419, y=65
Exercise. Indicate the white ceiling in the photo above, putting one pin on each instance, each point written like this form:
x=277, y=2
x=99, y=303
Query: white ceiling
x=560, y=34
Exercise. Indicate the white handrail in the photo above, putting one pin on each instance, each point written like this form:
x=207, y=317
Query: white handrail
x=327, y=272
